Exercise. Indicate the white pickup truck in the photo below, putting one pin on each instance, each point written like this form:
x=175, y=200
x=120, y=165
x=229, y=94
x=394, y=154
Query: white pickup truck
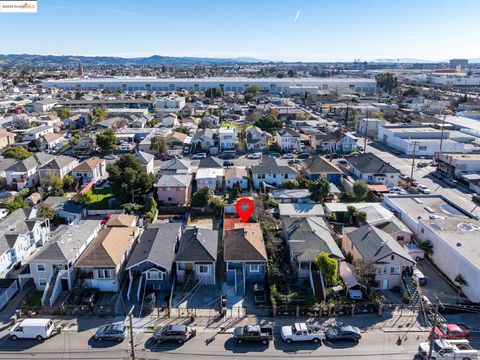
x=448, y=350
x=302, y=332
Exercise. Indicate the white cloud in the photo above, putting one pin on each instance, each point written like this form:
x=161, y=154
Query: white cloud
x=297, y=15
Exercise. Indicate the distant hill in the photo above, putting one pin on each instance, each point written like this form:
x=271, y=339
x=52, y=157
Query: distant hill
x=11, y=59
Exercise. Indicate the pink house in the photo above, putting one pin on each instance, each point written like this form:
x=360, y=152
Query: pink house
x=174, y=189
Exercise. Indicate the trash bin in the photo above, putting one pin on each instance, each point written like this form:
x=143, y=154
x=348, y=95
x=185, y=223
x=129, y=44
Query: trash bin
x=194, y=331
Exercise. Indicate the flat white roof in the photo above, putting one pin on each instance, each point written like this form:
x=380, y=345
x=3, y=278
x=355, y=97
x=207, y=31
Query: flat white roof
x=35, y=322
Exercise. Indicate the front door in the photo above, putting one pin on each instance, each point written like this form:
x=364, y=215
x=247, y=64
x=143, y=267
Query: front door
x=385, y=284
x=189, y=266
x=64, y=283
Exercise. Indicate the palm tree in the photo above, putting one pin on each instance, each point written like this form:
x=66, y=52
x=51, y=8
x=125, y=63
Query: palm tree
x=460, y=281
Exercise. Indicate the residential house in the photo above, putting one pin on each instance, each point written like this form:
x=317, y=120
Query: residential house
x=116, y=122
x=121, y=220
x=5, y=163
x=103, y=262
x=288, y=139
x=66, y=209
x=174, y=189
x=150, y=266
x=227, y=137
x=92, y=169
x=139, y=121
x=35, y=133
x=147, y=160
x=300, y=210
x=51, y=141
x=257, y=139
x=211, y=120
x=170, y=120
x=60, y=165
x=172, y=101
x=236, y=174
x=6, y=138
x=52, y=267
x=210, y=173
x=24, y=173
x=373, y=170
x=287, y=196
x=375, y=247
x=85, y=145
x=333, y=142
x=244, y=255
x=306, y=238
x=204, y=139
x=396, y=229
x=20, y=234
x=175, y=166
x=316, y=166
x=271, y=171
x=44, y=105
x=196, y=257
x=176, y=141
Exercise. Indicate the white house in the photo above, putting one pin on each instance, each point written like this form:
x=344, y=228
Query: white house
x=44, y=105
x=211, y=177
x=36, y=132
x=236, y=174
x=257, y=139
x=172, y=101
x=170, y=120
x=271, y=171
x=373, y=170
x=227, y=137
x=147, y=160
x=24, y=173
x=288, y=139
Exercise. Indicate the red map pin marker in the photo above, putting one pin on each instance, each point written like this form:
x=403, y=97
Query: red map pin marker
x=244, y=208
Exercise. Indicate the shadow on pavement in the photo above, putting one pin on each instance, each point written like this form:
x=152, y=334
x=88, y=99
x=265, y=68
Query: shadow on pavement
x=232, y=346
x=7, y=344
x=152, y=345
x=296, y=347
x=345, y=344
x=103, y=344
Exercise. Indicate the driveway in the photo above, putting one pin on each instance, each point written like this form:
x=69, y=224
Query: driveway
x=437, y=286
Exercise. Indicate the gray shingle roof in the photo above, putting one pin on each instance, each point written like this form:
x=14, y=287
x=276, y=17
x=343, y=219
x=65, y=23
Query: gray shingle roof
x=270, y=165
x=318, y=165
x=198, y=245
x=307, y=237
x=374, y=244
x=175, y=164
x=58, y=162
x=369, y=163
x=174, y=180
x=210, y=162
x=32, y=162
x=20, y=222
x=157, y=245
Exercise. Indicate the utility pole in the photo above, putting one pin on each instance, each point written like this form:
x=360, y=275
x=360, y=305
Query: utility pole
x=413, y=159
x=366, y=134
x=441, y=137
x=432, y=332
x=132, y=344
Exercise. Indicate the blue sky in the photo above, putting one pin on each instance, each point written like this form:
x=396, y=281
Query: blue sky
x=303, y=30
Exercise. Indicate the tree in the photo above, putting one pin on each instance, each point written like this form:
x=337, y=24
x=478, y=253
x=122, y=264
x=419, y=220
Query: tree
x=159, y=144
x=46, y=211
x=387, y=81
x=216, y=204
x=34, y=145
x=460, y=280
x=366, y=273
x=149, y=211
x=360, y=189
x=291, y=184
x=79, y=95
x=106, y=140
x=52, y=184
x=128, y=178
x=16, y=202
x=202, y=197
x=63, y=113
x=68, y=181
x=214, y=93
x=17, y=153
x=329, y=268
x=152, y=123
x=98, y=113
x=182, y=129
x=236, y=191
x=427, y=247
x=291, y=73
x=253, y=90
x=319, y=189
x=269, y=123
x=361, y=217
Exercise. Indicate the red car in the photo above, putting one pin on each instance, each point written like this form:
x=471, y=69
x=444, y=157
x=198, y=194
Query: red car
x=105, y=219
x=451, y=331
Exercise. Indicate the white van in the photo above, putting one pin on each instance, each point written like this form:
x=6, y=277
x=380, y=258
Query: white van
x=32, y=329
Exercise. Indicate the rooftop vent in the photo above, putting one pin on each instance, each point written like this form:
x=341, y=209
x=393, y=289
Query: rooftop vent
x=468, y=227
x=418, y=201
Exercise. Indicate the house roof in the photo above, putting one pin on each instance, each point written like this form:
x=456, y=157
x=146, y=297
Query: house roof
x=66, y=242
x=59, y=162
x=176, y=136
x=89, y=164
x=19, y=222
x=144, y=157
x=288, y=132
x=318, y=165
x=210, y=162
x=50, y=137
x=244, y=242
x=333, y=136
x=64, y=203
x=175, y=164
x=290, y=193
x=307, y=237
x=374, y=244
x=5, y=133
x=6, y=163
x=236, y=172
x=198, y=245
x=108, y=248
x=368, y=163
x=30, y=163
x=174, y=180
x=270, y=165
x=121, y=220
x=157, y=245
x=393, y=225
x=301, y=209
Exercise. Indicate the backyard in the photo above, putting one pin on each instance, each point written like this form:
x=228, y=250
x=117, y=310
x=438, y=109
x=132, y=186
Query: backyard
x=98, y=198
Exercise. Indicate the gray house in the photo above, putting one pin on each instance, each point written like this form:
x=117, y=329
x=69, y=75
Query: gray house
x=196, y=257
x=245, y=256
x=52, y=267
x=150, y=265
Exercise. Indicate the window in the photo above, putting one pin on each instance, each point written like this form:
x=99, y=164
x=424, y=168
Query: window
x=104, y=274
x=203, y=269
x=42, y=282
x=40, y=267
x=400, y=238
x=422, y=148
x=423, y=230
x=392, y=257
x=392, y=270
x=154, y=275
x=254, y=268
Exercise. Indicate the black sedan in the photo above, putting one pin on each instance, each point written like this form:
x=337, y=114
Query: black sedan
x=343, y=332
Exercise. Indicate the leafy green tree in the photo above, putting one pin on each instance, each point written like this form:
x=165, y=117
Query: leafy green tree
x=182, y=129
x=427, y=247
x=46, y=211
x=159, y=144
x=52, y=185
x=387, y=81
x=17, y=153
x=319, y=189
x=149, y=211
x=16, y=202
x=361, y=217
x=98, y=113
x=63, y=113
x=34, y=145
x=329, y=268
x=291, y=73
x=128, y=178
x=269, y=123
x=68, y=181
x=106, y=140
x=216, y=204
x=291, y=184
x=236, y=191
x=79, y=95
x=360, y=189
x=152, y=123
x=253, y=90
x=202, y=197
x=213, y=93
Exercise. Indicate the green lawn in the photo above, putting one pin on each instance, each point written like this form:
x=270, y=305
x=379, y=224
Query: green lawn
x=98, y=198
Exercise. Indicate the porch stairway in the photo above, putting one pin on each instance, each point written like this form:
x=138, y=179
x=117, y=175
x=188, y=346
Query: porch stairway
x=239, y=286
x=51, y=286
x=134, y=288
x=189, y=282
x=317, y=286
x=76, y=291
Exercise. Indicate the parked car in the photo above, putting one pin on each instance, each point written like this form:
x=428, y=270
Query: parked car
x=3, y=213
x=228, y=163
x=451, y=331
x=476, y=198
x=89, y=298
x=199, y=156
x=289, y=156
x=149, y=302
x=114, y=332
x=423, y=189
x=422, y=279
x=257, y=155
x=275, y=154
x=343, y=332
x=259, y=296
x=303, y=156
x=403, y=176
x=414, y=251
x=177, y=333
x=448, y=349
x=39, y=329
x=422, y=164
x=450, y=181
x=229, y=155
x=302, y=332
x=111, y=157
x=342, y=162
x=253, y=333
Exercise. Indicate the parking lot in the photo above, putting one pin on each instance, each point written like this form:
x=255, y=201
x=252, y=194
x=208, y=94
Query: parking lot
x=437, y=288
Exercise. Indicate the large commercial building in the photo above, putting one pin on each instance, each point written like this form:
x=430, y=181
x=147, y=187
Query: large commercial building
x=227, y=84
